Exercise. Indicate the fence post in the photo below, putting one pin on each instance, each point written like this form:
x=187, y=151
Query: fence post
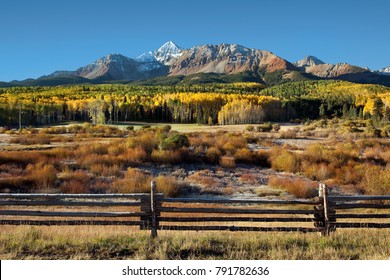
x=319, y=210
x=153, y=209
x=323, y=191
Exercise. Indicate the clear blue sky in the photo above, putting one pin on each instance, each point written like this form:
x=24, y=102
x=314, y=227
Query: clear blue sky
x=41, y=36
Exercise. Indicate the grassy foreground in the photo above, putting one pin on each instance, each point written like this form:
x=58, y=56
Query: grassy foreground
x=25, y=242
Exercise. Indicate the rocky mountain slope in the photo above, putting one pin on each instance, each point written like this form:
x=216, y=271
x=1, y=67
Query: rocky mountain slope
x=308, y=61
x=227, y=59
x=224, y=59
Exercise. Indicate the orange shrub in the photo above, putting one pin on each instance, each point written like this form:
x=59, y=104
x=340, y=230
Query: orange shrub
x=116, y=148
x=44, y=175
x=295, y=186
x=319, y=172
x=168, y=156
x=145, y=140
x=135, y=181
x=134, y=156
x=227, y=162
x=104, y=170
x=213, y=154
x=168, y=186
x=244, y=155
x=79, y=175
x=350, y=173
x=341, y=155
x=230, y=142
x=21, y=158
x=74, y=186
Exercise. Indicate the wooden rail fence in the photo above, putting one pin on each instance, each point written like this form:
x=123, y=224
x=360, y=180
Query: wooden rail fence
x=153, y=212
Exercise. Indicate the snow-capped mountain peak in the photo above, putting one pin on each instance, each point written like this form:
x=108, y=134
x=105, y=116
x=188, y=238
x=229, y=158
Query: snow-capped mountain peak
x=308, y=61
x=165, y=54
x=385, y=70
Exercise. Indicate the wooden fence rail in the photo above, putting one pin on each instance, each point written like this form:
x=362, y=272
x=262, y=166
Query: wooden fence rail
x=153, y=212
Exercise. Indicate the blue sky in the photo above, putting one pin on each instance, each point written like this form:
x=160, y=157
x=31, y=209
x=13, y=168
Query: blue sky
x=41, y=36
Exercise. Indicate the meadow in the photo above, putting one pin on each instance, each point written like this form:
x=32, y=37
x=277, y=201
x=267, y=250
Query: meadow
x=194, y=142
x=25, y=242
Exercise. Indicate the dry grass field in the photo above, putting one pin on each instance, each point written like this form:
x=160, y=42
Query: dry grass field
x=86, y=242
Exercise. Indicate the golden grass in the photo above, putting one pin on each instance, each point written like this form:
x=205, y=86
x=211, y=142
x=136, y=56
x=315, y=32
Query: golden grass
x=93, y=242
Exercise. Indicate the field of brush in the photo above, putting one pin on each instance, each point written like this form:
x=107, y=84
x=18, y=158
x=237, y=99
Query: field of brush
x=187, y=160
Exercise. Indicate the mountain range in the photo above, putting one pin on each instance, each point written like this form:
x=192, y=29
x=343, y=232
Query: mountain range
x=219, y=60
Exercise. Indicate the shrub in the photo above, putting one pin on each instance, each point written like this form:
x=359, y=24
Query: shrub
x=230, y=142
x=74, y=186
x=21, y=158
x=295, y=186
x=266, y=127
x=175, y=141
x=227, y=162
x=167, y=128
x=43, y=139
x=16, y=184
x=261, y=158
x=130, y=128
x=168, y=186
x=350, y=173
x=341, y=155
x=288, y=134
x=79, y=175
x=145, y=140
x=104, y=170
x=134, y=156
x=213, y=154
x=146, y=126
x=135, y=181
x=44, y=175
x=276, y=127
x=250, y=128
x=283, y=160
x=244, y=155
x=168, y=156
x=319, y=172
x=314, y=153
x=376, y=181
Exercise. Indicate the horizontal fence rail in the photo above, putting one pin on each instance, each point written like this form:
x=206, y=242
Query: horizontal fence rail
x=153, y=212
x=74, y=209
x=377, y=211
x=249, y=214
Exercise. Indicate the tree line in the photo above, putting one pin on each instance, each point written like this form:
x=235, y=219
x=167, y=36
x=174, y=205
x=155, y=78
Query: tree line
x=206, y=104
